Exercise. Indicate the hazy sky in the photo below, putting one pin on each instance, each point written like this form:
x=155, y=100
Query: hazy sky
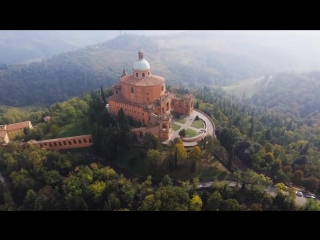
x=302, y=45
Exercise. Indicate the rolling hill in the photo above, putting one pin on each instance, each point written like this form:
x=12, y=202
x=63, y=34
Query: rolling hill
x=187, y=59
x=26, y=46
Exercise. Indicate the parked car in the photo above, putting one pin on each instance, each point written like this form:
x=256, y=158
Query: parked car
x=299, y=193
x=310, y=196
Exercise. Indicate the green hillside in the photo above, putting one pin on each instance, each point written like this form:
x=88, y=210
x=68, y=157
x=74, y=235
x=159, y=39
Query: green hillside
x=246, y=88
x=186, y=59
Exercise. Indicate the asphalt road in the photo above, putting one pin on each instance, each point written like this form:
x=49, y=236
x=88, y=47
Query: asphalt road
x=270, y=189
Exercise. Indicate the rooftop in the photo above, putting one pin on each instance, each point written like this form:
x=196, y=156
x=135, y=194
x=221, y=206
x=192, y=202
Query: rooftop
x=152, y=80
x=18, y=125
x=3, y=134
x=141, y=65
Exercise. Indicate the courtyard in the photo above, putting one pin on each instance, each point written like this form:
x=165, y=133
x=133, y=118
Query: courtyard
x=193, y=127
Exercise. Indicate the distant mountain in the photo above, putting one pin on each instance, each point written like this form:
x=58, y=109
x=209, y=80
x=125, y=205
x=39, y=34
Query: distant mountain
x=25, y=46
x=188, y=59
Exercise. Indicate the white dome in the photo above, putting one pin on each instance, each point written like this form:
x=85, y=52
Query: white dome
x=141, y=65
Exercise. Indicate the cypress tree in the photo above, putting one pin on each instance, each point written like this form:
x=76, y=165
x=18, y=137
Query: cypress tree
x=103, y=97
x=176, y=159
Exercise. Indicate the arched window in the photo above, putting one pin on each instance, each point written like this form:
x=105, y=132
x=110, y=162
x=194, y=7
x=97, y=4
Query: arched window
x=136, y=74
x=142, y=74
x=132, y=90
x=162, y=88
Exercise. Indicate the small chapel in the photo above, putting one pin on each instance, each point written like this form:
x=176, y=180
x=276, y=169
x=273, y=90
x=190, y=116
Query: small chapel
x=143, y=96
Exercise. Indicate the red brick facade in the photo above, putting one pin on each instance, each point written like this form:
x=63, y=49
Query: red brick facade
x=143, y=96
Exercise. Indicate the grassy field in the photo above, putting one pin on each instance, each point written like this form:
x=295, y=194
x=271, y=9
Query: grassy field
x=181, y=120
x=205, y=171
x=248, y=86
x=176, y=127
x=133, y=162
x=191, y=133
x=197, y=124
x=69, y=130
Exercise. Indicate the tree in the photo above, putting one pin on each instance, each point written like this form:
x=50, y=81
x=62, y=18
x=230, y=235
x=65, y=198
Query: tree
x=26, y=131
x=269, y=158
x=103, y=96
x=195, y=203
x=231, y=205
x=29, y=200
x=181, y=152
x=52, y=177
x=54, y=130
x=153, y=159
x=195, y=154
x=197, y=105
x=152, y=141
x=210, y=146
x=182, y=133
x=287, y=169
x=269, y=147
x=231, y=157
x=311, y=205
x=150, y=204
x=195, y=184
x=214, y=202
x=175, y=159
x=172, y=198
x=97, y=189
x=73, y=192
x=297, y=177
x=203, y=143
x=166, y=181
x=269, y=134
x=311, y=183
x=193, y=166
x=285, y=199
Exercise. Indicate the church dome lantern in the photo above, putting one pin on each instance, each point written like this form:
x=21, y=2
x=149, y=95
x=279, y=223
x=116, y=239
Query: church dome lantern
x=141, y=64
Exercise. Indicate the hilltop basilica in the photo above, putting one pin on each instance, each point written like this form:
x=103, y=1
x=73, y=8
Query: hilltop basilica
x=143, y=96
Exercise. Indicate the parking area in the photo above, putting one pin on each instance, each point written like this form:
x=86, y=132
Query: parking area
x=302, y=197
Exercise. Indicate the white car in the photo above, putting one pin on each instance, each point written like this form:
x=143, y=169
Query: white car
x=310, y=196
x=299, y=193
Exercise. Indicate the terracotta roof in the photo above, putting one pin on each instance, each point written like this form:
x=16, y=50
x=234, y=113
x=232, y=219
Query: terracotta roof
x=46, y=118
x=18, y=125
x=3, y=134
x=145, y=106
x=63, y=139
x=152, y=80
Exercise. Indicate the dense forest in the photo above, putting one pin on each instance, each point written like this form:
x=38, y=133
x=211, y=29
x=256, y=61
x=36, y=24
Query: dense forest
x=292, y=93
x=278, y=144
x=42, y=180
x=183, y=59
